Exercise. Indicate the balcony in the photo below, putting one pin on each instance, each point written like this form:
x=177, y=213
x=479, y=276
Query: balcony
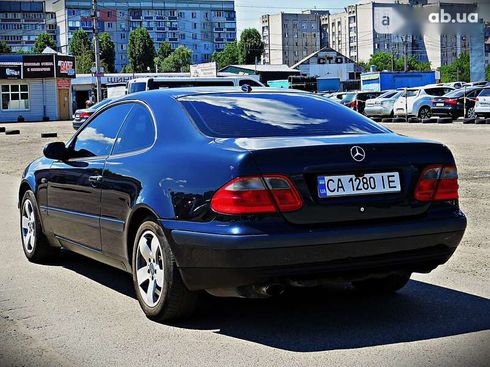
x=218, y=29
x=219, y=39
x=172, y=18
x=173, y=28
x=173, y=39
x=230, y=29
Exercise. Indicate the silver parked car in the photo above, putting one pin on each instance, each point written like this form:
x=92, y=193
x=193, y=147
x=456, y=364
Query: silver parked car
x=81, y=115
x=382, y=105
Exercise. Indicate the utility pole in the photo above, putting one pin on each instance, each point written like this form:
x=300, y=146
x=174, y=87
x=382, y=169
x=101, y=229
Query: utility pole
x=97, y=51
x=405, y=53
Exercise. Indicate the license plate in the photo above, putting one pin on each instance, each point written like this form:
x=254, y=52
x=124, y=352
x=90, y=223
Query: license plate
x=440, y=104
x=350, y=185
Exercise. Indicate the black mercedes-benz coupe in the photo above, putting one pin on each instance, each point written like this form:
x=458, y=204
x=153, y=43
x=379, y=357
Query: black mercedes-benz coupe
x=241, y=192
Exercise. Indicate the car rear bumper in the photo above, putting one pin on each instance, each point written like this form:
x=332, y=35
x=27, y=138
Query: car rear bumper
x=209, y=260
x=78, y=123
x=444, y=111
x=378, y=111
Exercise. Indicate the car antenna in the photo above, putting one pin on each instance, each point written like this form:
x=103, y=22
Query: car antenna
x=246, y=88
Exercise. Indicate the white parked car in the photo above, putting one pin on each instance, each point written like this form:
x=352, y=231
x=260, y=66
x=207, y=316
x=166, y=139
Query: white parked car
x=418, y=100
x=382, y=105
x=482, y=105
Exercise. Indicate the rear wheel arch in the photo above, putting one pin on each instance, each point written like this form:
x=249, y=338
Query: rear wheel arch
x=137, y=217
x=24, y=187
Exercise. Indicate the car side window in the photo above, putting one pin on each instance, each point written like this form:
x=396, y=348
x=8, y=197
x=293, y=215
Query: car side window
x=98, y=137
x=250, y=82
x=138, y=131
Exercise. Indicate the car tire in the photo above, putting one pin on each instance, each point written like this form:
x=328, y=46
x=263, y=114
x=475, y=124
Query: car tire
x=425, y=112
x=34, y=243
x=157, y=281
x=388, y=284
x=470, y=113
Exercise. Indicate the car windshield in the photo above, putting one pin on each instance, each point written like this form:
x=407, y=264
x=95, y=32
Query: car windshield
x=100, y=104
x=236, y=115
x=457, y=93
x=485, y=92
x=348, y=97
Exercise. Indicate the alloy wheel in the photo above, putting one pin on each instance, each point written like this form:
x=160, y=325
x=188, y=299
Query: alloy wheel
x=28, y=226
x=149, y=268
x=471, y=112
x=424, y=113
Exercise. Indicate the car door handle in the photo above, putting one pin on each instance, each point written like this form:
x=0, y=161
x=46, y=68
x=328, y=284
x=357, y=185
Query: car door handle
x=95, y=180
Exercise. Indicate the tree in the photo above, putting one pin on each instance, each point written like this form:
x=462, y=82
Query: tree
x=457, y=71
x=42, y=41
x=4, y=48
x=164, y=50
x=107, y=52
x=386, y=61
x=141, y=51
x=487, y=73
x=178, y=61
x=81, y=48
x=229, y=56
x=127, y=69
x=250, y=46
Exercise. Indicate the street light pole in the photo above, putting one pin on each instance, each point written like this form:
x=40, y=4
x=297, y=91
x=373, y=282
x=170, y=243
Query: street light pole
x=97, y=51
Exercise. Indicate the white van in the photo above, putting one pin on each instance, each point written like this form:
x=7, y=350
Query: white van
x=163, y=82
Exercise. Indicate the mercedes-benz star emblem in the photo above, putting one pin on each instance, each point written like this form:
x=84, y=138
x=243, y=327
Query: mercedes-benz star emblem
x=358, y=154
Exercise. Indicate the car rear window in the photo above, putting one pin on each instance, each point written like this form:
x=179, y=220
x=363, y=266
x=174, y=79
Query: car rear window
x=236, y=115
x=388, y=94
x=484, y=93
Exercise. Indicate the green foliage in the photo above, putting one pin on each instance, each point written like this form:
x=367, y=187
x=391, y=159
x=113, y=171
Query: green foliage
x=229, y=56
x=385, y=61
x=457, y=71
x=164, y=50
x=42, y=41
x=250, y=46
x=4, y=48
x=487, y=73
x=80, y=43
x=84, y=63
x=178, y=61
x=107, y=52
x=141, y=51
x=127, y=69
x=81, y=48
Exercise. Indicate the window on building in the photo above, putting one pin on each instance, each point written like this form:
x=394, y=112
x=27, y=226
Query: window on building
x=194, y=15
x=15, y=97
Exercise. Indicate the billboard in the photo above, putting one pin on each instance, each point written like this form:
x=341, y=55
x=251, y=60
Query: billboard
x=38, y=66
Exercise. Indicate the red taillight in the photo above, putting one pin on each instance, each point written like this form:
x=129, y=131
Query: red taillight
x=451, y=101
x=85, y=115
x=352, y=104
x=256, y=194
x=437, y=182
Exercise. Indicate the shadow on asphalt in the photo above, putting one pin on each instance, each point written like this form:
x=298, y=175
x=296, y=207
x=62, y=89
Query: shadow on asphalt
x=309, y=320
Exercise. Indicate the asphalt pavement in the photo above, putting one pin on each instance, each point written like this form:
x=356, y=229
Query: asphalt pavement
x=77, y=312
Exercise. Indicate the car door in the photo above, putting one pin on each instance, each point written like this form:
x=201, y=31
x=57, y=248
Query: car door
x=127, y=173
x=74, y=184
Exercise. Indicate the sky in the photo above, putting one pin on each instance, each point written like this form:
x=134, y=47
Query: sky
x=249, y=11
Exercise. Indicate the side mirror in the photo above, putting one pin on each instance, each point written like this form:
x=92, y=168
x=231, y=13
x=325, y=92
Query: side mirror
x=56, y=151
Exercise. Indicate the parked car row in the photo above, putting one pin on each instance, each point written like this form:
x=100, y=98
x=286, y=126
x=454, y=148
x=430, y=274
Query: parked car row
x=449, y=99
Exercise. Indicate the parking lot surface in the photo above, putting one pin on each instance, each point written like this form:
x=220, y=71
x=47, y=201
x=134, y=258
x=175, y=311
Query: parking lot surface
x=79, y=312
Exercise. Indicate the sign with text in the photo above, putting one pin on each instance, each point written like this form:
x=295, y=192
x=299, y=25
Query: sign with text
x=63, y=83
x=10, y=72
x=38, y=66
x=206, y=70
x=65, y=66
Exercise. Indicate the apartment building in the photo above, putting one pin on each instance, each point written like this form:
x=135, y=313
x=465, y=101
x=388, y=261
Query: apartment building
x=22, y=21
x=352, y=32
x=202, y=26
x=290, y=37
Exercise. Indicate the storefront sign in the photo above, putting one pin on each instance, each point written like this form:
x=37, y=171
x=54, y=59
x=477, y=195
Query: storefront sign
x=65, y=66
x=63, y=83
x=204, y=70
x=38, y=66
x=10, y=72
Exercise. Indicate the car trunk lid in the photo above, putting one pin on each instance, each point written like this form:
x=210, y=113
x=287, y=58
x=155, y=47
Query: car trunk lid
x=305, y=159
